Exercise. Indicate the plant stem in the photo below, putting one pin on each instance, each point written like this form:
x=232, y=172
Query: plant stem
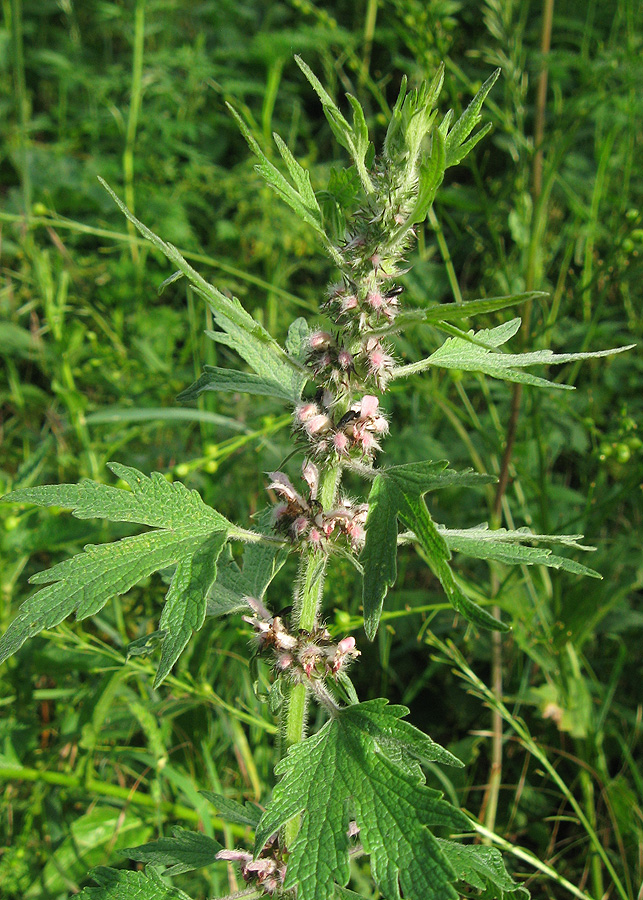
x=308, y=599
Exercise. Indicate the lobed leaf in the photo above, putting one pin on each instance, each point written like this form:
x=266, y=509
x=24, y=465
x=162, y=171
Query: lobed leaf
x=456, y=148
x=231, y=811
x=116, y=884
x=397, y=493
x=481, y=544
x=190, y=537
x=355, y=768
x=183, y=852
x=477, y=352
x=244, y=333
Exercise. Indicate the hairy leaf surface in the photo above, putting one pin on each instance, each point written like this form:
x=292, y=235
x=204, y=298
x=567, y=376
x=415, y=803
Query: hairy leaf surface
x=116, y=884
x=189, y=537
x=362, y=765
x=477, y=352
x=508, y=547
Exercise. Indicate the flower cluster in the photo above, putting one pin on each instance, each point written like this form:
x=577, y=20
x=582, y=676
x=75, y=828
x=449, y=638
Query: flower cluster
x=304, y=655
x=355, y=433
x=338, y=363
x=267, y=872
x=303, y=519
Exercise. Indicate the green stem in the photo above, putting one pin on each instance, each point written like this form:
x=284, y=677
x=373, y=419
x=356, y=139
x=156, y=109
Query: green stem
x=308, y=600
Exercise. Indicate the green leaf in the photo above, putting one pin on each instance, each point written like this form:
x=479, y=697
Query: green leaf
x=261, y=562
x=231, y=811
x=508, y=547
x=456, y=148
x=252, y=342
x=302, y=199
x=297, y=339
x=360, y=766
x=355, y=138
x=483, y=869
x=397, y=493
x=232, y=381
x=245, y=334
x=453, y=312
x=190, y=537
x=116, y=884
x=183, y=852
x=379, y=556
x=477, y=352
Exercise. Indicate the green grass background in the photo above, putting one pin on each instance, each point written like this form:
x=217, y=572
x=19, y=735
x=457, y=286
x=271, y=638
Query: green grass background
x=92, y=759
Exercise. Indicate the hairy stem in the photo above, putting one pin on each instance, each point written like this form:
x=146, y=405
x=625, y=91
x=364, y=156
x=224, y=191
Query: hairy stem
x=307, y=602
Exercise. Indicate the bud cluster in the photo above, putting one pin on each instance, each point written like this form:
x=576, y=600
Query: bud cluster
x=304, y=655
x=267, y=872
x=355, y=434
x=303, y=519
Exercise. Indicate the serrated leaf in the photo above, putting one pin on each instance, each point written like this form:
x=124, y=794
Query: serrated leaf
x=190, y=536
x=296, y=341
x=414, y=514
x=379, y=556
x=233, y=381
x=237, y=813
x=477, y=352
x=116, y=884
x=183, y=852
x=482, y=868
x=480, y=543
x=453, y=312
x=351, y=769
x=397, y=493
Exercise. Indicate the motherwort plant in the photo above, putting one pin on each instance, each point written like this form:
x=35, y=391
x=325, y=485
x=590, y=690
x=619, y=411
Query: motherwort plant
x=355, y=786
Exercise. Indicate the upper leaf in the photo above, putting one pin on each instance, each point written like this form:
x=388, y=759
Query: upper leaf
x=183, y=852
x=477, y=352
x=242, y=332
x=397, y=493
x=116, y=884
x=457, y=145
x=238, y=813
x=190, y=537
x=362, y=765
x=354, y=138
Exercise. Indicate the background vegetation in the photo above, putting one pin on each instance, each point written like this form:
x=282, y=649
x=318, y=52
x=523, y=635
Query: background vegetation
x=91, y=758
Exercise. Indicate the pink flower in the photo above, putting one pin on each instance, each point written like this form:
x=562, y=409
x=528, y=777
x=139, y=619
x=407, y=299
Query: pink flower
x=375, y=300
x=317, y=425
x=368, y=406
x=345, y=359
x=320, y=340
x=340, y=443
x=306, y=411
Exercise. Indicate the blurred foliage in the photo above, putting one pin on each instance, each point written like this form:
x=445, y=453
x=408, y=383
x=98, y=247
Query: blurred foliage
x=93, y=358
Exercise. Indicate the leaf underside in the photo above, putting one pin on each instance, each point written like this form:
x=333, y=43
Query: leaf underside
x=362, y=765
x=189, y=537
